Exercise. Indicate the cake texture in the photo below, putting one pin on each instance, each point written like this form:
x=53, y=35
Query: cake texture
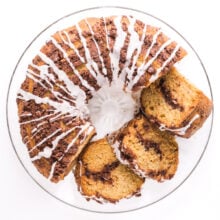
x=145, y=149
x=175, y=104
x=101, y=177
x=70, y=69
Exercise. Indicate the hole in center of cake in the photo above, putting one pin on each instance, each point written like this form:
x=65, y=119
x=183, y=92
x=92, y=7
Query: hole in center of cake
x=110, y=108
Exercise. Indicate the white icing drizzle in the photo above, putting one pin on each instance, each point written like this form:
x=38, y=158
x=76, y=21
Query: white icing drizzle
x=132, y=46
x=26, y=115
x=44, y=75
x=106, y=34
x=72, y=89
x=97, y=47
x=87, y=128
x=48, y=150
x=52, y=170
x=156, y=75
x=32, y=76
x=71, y=45
x=154, y=40
x=89, y=59
x=45, y=153
x=45, y=139
x=35, y=120
x=65, y=55
x=138, y=170
x=115, y=144
x=58, y=116
x=139, y=47
x=35, y=131
x=119, y=43
x=180, y=131
x=134, y=80
x=39, y=128
x=118, y=152
x=34, y=134
x=107, y=45
x=75, y=90
x=133, y=165
x=142, y=69
x=62, y=107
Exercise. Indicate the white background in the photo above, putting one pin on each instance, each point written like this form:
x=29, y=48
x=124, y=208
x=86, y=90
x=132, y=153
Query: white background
x=21, y=21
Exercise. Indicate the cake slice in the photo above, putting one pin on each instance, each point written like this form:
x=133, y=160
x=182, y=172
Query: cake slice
x=145, y=149
x=174, y=104
x=101, y=177
x=54, y=139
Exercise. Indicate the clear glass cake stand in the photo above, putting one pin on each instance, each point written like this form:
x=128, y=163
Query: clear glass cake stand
x=190, y=150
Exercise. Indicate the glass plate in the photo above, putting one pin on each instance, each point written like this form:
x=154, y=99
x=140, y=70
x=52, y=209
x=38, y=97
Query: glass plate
x=190, y=150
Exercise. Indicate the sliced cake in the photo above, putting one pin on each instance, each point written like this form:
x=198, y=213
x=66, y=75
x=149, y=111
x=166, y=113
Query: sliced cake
x=176, y=105
x=147, y=150
x=100, y=176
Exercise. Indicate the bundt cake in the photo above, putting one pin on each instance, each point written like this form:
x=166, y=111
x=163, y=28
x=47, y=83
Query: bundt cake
x=176, y=105
x=72, y=67
x=101, y=177
x=146, y=149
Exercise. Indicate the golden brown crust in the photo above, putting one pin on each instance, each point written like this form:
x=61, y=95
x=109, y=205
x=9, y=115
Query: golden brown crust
x=43, y=165
x=203, y=109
